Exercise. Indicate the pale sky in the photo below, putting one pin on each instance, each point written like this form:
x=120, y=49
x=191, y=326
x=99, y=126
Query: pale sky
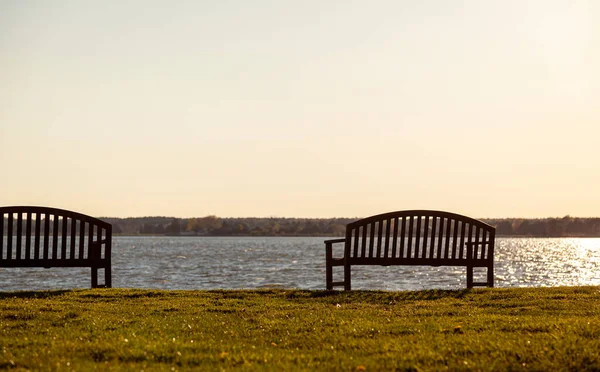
x=308, y=108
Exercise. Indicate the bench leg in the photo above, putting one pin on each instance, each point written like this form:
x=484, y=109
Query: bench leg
x=329, y=276
x=347, y=278
x=490, y=275
x=94, y=277
x=107, y=277
x=328, y=266
x=469, y=276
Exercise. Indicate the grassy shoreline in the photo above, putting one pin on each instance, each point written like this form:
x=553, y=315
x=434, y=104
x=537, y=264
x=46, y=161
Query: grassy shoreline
x=127, y=329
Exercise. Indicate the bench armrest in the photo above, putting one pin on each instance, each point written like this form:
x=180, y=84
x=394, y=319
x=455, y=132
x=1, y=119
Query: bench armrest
x=329, y=248
x=330, y=262
x=472, y=245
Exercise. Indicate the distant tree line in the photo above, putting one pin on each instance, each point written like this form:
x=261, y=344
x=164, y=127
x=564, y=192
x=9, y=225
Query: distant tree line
x=547, y=227
x=217, y=226
x=276, y=226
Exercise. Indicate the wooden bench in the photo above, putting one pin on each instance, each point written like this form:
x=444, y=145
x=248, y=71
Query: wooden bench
x=51, y=237
x=414, y=237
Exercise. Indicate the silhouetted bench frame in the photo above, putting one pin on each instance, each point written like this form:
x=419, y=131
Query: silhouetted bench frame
x=414, y=237
x=51, y=237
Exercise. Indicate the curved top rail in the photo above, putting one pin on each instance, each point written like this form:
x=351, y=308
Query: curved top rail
x=55, y=211
x=420, y=212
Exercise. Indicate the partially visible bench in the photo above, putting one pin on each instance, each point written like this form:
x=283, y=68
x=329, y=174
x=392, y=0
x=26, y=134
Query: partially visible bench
x=51, y=237
x=414, y=237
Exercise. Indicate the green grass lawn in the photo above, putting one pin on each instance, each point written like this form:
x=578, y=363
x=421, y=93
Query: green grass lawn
x=483, y=329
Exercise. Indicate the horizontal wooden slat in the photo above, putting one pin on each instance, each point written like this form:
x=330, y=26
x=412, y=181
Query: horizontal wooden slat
x=337, y=262
x=417, y=261
x=54, y=263
x=478, y=243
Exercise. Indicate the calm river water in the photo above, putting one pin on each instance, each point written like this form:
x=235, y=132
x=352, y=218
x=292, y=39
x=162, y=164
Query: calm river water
x=299, y=262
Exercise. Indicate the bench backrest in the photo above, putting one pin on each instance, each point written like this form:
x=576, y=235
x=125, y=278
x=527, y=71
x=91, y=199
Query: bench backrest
x=51, y=237
x=418, y=237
